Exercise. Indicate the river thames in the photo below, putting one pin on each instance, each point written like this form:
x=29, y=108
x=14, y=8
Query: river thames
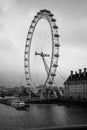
x=39, y=116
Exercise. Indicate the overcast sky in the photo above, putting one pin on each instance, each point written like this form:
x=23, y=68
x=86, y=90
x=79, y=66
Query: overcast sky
x=15, y=19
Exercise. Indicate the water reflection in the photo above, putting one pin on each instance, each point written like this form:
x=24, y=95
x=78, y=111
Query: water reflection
x=41, y=116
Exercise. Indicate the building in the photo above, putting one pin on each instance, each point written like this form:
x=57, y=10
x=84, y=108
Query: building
x=76, y=85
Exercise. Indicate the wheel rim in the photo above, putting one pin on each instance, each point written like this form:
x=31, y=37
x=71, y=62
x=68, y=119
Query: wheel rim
x=43, y=14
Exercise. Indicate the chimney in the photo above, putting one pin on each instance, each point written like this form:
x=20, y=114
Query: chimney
x=80, y=72
x=84, y=71
x=76, y=75
x=71, y=74
x=75, y=72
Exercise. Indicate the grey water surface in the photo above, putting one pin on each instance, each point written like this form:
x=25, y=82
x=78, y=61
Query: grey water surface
x=41, y=116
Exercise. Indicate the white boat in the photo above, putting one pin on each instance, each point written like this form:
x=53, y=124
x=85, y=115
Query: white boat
x=21, y=105
x=18, y=104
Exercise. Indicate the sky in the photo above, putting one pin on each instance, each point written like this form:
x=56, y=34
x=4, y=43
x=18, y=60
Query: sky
x=15, y=19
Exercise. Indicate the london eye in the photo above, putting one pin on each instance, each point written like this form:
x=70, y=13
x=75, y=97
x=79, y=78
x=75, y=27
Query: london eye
x=41, y=51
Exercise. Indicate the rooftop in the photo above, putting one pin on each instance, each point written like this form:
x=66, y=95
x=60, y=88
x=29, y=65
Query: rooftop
x=77, y=76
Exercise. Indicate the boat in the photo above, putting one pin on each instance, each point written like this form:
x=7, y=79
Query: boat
x=19, y=105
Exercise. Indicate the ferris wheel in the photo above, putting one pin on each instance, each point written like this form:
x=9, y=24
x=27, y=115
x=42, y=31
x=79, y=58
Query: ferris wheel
x=32, y=53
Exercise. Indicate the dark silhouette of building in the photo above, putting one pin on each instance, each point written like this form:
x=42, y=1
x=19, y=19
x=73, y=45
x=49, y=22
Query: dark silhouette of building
x=76, y=85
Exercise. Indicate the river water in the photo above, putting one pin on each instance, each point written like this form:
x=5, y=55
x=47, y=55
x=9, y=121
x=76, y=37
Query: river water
x=41, y=116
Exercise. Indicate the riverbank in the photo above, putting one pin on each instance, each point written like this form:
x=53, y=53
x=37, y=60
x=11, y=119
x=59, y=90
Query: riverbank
x=60, y=101
x=14, y=102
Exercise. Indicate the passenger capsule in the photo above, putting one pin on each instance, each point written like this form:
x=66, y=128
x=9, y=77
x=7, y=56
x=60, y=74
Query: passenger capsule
x=26, y=72
x=56, y=55
x=27, y=45
x=26, y=59
x=55, y=65
x=38, y=13
x=47, y=11
x=55, y=27
x=57, y=45
x=28, y=39
x=51, y=15
x=36, y=16
x=44, y=10
x=27, y=78
x=26, y=65
x=50, y=82
x=41, y=11
x=33, y=21
x=29, y=32
x=26, y=52
x=53, y=20
x=31, y=26
x=53, y=74
x=56, y=35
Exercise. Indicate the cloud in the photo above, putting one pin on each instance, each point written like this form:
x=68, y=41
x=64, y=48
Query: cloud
x=16, y=17
x=74, y=33
x=6, y=46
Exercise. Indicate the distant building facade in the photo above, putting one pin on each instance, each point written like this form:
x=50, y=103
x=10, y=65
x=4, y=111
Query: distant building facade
x=76, y=85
